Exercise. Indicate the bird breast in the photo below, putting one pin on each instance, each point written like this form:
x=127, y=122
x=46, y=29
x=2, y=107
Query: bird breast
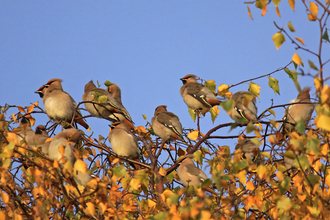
x=59, y=107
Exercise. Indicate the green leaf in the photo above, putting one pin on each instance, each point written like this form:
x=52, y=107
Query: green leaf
x=198, y=157
x=312, y=65
x=119, y=171
x=192, y=114
x=313, y=145
x=108, y=83
x=312, y=179
x=284, y=203
x=292, y=74
x=276, y=2
x=96, y=95
x=250, y=127
x=302, y=161
x=273, y=83
x=144, y=117
x=103, y=99
x=325, y=35
x=207, y=182
x=290, y=26
x=227, y=105
x=211, y=85
x=300, y=127
x=271, y=112
x=214, y=112
x=261, y=3
x=283, y=185
x=243, y=163
x=278, y=39
x=160, y=216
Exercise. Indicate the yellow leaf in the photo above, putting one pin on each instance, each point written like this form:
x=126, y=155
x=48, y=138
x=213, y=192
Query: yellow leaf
x=135, y=184
x=261, y=170
x=151, y=203
x=14, y=117
x=327, y=180
x=21, y=109
x=249, y=11
x=296, y=58
x=292, y=4
x=254, y=89
x=250, y=186
x=80, y=166
x=167, y=193
x=193, y=135
x=277, y=11
x=242, y=176
x=162, y=171
x=229, y=95
x=101, y=207
x=12, y=137
x=264, y=11
x=280, y=176
x=317, y=83
x=322, y=122
x=90, y=209
x=313, y=8
x=223, y=89
x=300, y=40
x=5, y=197
x=325, y=94
x=311, y=17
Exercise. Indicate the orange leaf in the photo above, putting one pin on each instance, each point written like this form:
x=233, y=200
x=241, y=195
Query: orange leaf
x=296, y=58
x=249, y=11
x=314, y=9
x=250, y=186
x=30, y=109
x=5, y=197
x=300, y=40
x=142, y=129
x=14, y=117
x=55, y=164
x=162, y=171
x=264, y=10
x=21, y=109
x=312, y=17
x=301, y=197
x=277, y=11
x=291, y=3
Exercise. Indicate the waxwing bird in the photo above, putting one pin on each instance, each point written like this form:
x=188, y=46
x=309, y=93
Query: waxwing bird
x=66, y=138
x=115, y=91
x=82, y=178
x=109, y=109
x=189, y=174
x=59, y=105
x=298, y=112
x=250, y=152
x=39, y=138
x=197, y=95
x=244, y=107
x=41, y=91
x=123, y=142
x=166, y=125
x=24, y=130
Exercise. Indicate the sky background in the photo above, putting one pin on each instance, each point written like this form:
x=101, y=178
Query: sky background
x=146, y=47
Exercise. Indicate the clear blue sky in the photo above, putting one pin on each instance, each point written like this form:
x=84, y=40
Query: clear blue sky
x=146, y=47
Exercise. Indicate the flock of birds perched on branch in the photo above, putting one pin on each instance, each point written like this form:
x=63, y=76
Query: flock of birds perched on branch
x=106, y=103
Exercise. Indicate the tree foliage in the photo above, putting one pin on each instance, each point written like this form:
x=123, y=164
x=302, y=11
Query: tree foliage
x=34, y=186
